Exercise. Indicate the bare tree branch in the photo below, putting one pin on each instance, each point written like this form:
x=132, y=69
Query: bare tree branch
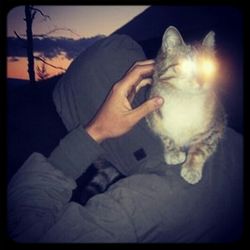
x=53, y=31
x=51, y=65
x=42, y=71
x=18, y=36
x=45, y=16
x=33, y=15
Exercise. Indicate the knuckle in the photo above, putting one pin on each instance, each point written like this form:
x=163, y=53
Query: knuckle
x=149, y=107
x=138, y=62
x=135, y=64
x=137, y=68
x=116, y=87
x=138, y=71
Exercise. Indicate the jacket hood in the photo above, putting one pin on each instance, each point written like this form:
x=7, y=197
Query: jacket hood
x=81, y=91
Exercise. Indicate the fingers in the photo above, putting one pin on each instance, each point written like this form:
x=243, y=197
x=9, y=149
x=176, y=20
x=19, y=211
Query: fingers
x=143, y=83
x=131, y=94
x=139, y=71
x=146, y=108
x=141, y=63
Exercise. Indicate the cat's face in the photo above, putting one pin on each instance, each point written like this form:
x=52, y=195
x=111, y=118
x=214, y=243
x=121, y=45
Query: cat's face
x=189, y=68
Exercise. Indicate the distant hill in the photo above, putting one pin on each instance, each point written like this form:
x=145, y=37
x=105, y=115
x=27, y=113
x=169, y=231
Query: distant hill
x=51, y=46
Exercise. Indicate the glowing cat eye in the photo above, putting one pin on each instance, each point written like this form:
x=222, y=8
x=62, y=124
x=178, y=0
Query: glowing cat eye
x=202, y=66
x=187, y=66
x=207, y=67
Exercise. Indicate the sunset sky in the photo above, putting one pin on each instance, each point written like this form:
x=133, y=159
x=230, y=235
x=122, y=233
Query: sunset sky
x=77, y=22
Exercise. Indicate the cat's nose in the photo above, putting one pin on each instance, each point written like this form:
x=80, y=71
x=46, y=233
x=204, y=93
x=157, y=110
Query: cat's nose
x=200, y=80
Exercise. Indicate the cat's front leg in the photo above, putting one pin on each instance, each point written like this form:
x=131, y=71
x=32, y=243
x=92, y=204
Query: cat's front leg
x=192, y=169
x=173, y=155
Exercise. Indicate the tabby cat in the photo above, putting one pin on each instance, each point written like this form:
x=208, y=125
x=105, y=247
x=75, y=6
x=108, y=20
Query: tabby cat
x=191, y=121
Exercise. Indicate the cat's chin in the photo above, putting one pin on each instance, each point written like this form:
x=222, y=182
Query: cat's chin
x=198, y=91
x=193, y=90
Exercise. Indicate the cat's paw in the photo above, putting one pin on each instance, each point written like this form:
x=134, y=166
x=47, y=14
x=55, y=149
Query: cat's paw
x=191, y=175
x=174, y=158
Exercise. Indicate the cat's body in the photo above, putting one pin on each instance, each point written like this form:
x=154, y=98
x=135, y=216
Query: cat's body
x=191, y=121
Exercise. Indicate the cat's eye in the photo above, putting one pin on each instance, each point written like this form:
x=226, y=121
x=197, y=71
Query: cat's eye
x=176, y=68
x=208, y=67
x=204, y=66
x=187, y=66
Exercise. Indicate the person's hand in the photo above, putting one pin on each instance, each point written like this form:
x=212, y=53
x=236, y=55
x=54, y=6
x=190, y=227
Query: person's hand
x=116, y=116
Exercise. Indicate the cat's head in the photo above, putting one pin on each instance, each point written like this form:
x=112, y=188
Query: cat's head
x=191, y=68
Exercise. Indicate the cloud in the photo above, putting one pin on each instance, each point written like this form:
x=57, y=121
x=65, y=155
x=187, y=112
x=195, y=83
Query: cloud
x=51, y=46
x=13, y=59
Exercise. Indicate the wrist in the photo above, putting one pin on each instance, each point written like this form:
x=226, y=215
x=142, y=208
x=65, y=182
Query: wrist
x=95, y=133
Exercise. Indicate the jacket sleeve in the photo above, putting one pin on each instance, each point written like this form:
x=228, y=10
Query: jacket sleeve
x=75, y=152
x=41, y=188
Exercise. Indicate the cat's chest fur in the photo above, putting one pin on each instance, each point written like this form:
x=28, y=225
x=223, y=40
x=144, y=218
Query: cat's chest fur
x=183, y=116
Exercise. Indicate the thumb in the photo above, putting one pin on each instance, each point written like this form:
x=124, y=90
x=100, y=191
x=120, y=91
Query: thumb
x=147, y=107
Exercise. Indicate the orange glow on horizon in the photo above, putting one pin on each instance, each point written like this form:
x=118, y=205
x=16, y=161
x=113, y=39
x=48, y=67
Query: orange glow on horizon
x=18, y=69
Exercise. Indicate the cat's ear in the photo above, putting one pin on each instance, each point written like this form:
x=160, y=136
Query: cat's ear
x=209, y=40
x=171, y=40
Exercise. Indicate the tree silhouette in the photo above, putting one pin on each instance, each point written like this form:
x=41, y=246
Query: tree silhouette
x=29, y=17
x=30, y=13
